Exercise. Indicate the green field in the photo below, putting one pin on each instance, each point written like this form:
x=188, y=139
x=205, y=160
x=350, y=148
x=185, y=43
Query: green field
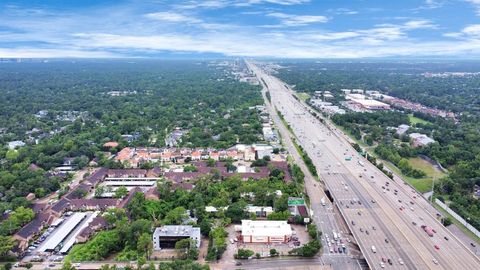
x=415, y=120
x=303, y=96
x=429, y=169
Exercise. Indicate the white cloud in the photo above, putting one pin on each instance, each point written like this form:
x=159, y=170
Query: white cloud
x=472, y=30
x=169, y=16
x=127, y=31
x=476, y=3
x=29, y=52
x=297, y=20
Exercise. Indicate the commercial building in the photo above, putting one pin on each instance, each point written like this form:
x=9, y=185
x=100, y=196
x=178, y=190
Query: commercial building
x=265, y=231
x=166, y=236
x=402, y=129
x=370, y=104
x=419, y=140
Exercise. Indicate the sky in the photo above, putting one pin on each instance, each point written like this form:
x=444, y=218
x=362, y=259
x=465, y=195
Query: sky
x=240, y=28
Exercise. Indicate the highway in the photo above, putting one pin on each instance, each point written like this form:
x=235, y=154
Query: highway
x=380, y=212
x=325, y=217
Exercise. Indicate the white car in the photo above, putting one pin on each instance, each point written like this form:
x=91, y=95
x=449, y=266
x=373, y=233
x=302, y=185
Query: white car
x=382, y=265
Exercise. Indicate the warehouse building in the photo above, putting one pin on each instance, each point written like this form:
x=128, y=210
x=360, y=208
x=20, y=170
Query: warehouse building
x=265, y=231
x=166, y=236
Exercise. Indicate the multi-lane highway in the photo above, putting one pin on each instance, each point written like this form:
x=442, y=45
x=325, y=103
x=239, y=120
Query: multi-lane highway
x=384, y=216
x=324, y=215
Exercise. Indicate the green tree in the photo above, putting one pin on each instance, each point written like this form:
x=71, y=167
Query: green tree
x=6, y=244
x=121, y=192
x=175, y=216
x=145, y=245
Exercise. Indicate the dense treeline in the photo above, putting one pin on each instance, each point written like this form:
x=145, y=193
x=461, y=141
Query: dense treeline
x=404, y=80
x=456, y=148
x=80, y=115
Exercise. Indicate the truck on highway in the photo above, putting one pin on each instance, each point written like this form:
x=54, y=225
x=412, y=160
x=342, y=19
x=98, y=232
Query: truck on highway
x=335, y=236
x=428, y=230
x=374, y=250
x=323, y=201
x=348, y=158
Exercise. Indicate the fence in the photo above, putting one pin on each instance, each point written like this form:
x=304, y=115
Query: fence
x=458, y=217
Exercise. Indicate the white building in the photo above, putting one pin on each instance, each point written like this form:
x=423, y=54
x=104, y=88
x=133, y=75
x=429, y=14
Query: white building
x=15, y=144
x=259, y=211
x=402, y=129
x=168, y=235
x=265, y=231
x=419, y=140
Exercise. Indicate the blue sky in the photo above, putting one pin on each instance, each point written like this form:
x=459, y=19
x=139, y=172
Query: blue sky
x=250, y=28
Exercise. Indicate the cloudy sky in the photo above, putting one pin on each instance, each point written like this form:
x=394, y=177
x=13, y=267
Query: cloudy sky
x=251, y=28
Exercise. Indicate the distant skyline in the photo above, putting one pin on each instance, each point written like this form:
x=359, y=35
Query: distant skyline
x=248, y=28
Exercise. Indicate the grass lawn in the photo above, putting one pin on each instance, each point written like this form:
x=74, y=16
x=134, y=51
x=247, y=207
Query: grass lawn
x=459, y=225
x=429, y=169
x=303, y=96
x=414, y=120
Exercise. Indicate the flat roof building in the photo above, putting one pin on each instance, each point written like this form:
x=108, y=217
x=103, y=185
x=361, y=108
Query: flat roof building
x=166, y=236
x=265, y=231
x=62, y=232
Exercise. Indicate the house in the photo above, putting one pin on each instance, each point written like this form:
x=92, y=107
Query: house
x=196, y=155
x=265, y=231
x=110, y=144
x=167, y=236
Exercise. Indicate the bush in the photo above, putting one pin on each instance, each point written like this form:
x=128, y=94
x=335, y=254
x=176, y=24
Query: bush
x=308, y=250
x=243, y=254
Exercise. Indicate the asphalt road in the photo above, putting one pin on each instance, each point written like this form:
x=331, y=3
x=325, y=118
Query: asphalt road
x=392, y=219
x=325, y=217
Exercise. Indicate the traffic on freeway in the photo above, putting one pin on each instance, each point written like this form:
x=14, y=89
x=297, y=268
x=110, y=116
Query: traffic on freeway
x=387, y=218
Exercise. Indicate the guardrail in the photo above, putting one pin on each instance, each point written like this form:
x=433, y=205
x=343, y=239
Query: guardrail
x=458, y=217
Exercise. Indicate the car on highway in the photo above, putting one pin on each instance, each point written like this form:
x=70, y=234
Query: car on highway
x=373, y=201
x=384, y=260
x=361, y=230
x=353, y=223
x=414, y=223
x=386, y=240
x=437, y=247
x=389, y=261
x=446, y=238
x=382, y=265
x=366, y=231
x=400, y=261
x=435, y=261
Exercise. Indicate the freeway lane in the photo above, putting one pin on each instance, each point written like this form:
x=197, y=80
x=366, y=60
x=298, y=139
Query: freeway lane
x=323, y=216
x=380, y=205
